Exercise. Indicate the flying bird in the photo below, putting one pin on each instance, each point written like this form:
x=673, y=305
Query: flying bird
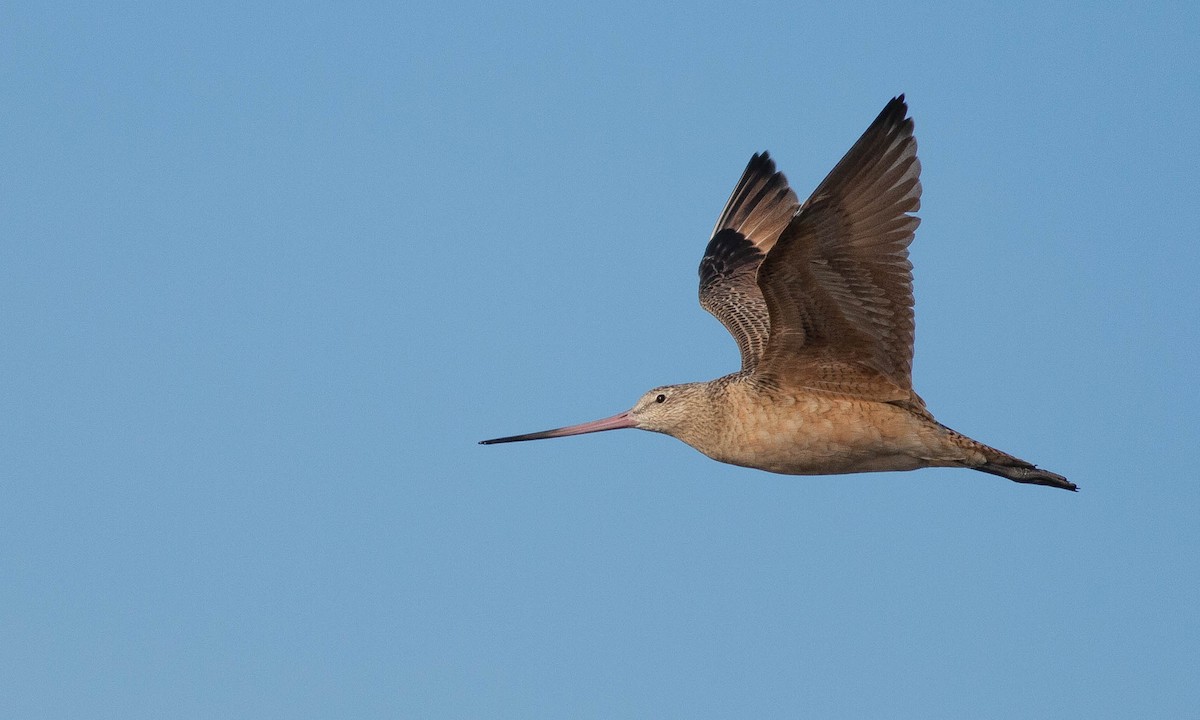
x=818, y=296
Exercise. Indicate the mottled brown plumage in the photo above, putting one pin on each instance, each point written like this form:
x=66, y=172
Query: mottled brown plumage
x=759, y=209
x=819, y=299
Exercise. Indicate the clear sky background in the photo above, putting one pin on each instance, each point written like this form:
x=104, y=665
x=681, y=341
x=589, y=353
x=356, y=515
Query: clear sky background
x=268, y=272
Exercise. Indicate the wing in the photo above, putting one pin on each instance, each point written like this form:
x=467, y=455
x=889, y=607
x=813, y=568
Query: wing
x=759, y=209
x=838, y=283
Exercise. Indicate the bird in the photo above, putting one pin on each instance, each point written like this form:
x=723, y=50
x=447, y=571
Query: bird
x=818, y=296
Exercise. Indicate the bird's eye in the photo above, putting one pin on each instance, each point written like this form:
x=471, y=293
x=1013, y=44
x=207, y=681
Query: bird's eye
x=661, y=398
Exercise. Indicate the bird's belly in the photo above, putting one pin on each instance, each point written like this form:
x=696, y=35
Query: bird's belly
x=826, y=437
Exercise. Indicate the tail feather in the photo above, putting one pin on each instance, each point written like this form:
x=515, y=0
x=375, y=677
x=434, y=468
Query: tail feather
x=1001, y=463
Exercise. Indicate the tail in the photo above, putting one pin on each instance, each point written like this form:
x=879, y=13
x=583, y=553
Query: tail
x=1001, y=463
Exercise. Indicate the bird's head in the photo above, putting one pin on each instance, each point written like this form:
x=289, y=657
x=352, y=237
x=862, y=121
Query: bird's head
x=669, y=408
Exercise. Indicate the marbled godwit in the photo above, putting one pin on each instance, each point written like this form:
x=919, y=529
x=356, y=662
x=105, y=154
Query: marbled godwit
x=819, y=299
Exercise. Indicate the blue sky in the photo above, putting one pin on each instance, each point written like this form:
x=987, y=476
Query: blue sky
x=268, y=272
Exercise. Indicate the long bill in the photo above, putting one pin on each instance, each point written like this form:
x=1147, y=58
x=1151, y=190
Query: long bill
x=615, y=422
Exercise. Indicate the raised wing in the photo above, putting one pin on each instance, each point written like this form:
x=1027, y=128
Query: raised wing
x=759, y=209
x=838, y=283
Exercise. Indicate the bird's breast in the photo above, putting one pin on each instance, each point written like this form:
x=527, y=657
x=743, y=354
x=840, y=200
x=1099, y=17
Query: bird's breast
x=802, y=434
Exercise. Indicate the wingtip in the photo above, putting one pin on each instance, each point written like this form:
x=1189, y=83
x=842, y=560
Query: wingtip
x=761, y=162
x=896, y=109
x=894, y=117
